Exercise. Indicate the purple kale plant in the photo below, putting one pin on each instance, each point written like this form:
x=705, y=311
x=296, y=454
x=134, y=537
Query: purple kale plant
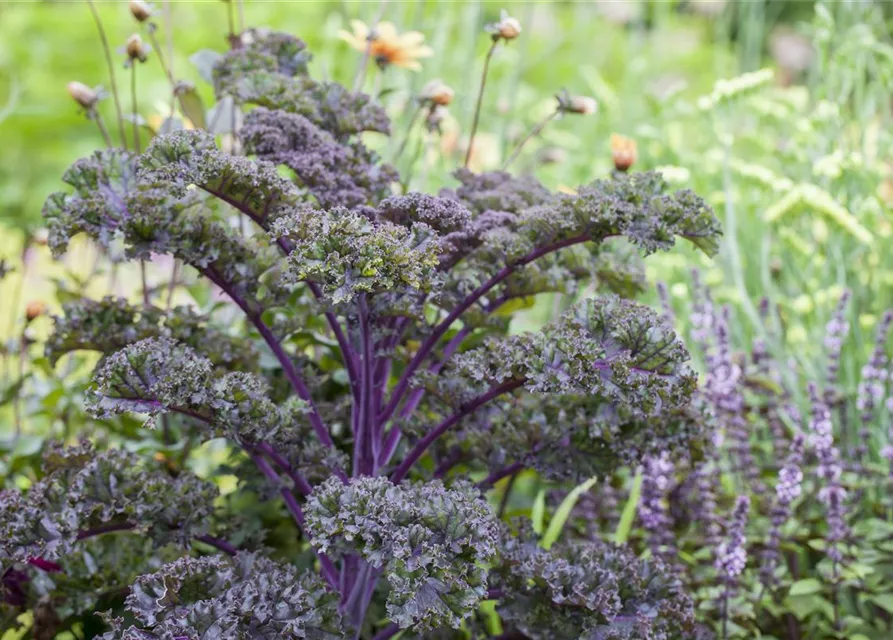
x=373, y=390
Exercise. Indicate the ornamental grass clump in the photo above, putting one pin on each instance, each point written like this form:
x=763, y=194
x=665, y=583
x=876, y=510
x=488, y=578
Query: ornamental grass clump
x=371, y=386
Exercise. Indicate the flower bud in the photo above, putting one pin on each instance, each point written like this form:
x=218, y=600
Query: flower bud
x=140, y=10
x=34, y=309
x=508, y=28
x=437, y=93
x=136, y=50
x=624, y=151
x=83, y=95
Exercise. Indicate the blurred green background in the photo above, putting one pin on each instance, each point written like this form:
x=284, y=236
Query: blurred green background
x=617, y=51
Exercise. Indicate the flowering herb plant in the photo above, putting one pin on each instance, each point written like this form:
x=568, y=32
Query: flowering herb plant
x=372, y=386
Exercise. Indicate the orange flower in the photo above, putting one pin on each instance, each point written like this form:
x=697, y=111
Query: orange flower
x=624, y=151
x=386, y=46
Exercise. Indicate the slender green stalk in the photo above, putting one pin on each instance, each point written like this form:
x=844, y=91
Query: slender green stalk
x=230, y=18
x=111, y=65
x=533, y=133
x=136, y=123
x=145, y=282
x=100, y=123
x=154, y=42
x=175, y=273
x=415, y=116
x=169, y=41
x=477, y=108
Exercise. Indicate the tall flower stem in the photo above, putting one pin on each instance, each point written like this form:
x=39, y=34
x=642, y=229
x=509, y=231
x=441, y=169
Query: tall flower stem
x=112, y=82
x=531, y=135
x=136, y=145
x=360, y=76
x=477, y=107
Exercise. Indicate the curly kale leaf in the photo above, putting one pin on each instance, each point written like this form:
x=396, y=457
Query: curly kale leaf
x=97, y=567
x=444, y=215
x=431, y=543
x=269, y=70
x=159, y=375
x=589, y=590
x=500, y=191
x=613, y=350
x=347, y=253
x=183, y=158
x=153, y=376
x=97, y=204
x=336, y=174
x=220, y=598
x=111, y=324
x=599, y=388
x=574, y=437
x=86, y=490
x=160, y=223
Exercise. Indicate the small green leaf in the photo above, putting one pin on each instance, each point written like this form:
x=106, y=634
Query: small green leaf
x=191, y=104
x=883, y=600
x=805, y=586
x=563, y=512
x=621, y=535
x=804, y=606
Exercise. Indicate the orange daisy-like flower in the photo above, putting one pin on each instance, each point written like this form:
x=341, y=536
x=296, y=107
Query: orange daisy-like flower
x=386, y=46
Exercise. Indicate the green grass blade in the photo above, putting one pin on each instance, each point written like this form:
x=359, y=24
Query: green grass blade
x=563, y=512
x=538, y=512
x=621, y=535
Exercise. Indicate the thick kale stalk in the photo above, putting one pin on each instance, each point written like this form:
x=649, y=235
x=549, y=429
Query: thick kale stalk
x=398, y=384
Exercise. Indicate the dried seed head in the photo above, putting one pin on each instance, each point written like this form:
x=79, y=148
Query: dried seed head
x=553, y=155
x=508, y=28
x=34, y=309
x=83, y=95
x=624, y=152
x=136, y=50
x=142, y=11
x=437, y=93
x=584, y=105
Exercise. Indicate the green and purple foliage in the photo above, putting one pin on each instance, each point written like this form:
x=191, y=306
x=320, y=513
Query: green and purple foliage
x=376, y=389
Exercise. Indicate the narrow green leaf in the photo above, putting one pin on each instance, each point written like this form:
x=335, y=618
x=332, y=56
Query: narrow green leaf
x=621, y=535
x=538, y=512
x=563, y=512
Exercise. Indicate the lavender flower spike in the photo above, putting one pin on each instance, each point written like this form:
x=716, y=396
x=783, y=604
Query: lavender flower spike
x=833, y=495
x=657, y=479
x=731, y=556
x=724, y=379
x=835, y=332
x=872, y=388
x=788, y=489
